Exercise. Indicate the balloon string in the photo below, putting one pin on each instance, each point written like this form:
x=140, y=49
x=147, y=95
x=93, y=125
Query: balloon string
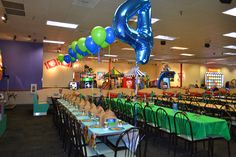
x=136, y=79
x=98, y=56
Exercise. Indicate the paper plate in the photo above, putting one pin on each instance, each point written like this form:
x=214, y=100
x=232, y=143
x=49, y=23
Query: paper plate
x=117, y=128
x=86, y=120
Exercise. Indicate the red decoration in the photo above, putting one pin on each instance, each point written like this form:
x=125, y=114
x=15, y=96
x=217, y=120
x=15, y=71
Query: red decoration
x=51, y=63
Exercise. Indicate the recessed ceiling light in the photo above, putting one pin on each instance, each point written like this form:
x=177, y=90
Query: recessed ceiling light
x=179, y=48
x=231, y=12
x=230, y=53
x=232, y=35
x=211, y=63
x=163, y=37
x=230, y=47
x=135, y=19
x=54, y=42
x=127, y=49
x=109, y=55
x=62, y=24
x=187, y=54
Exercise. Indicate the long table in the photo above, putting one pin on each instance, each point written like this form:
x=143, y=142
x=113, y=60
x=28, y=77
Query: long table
x=96, y=131
x=203, y=126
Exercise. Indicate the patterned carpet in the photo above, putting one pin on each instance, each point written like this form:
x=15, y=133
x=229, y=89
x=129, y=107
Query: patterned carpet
x=29, y=136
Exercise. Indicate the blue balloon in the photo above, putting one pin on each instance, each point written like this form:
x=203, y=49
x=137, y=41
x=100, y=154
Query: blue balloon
x=72, y=53
x=91, y=45
x=84, y=54
x=110, y=38
x=140, y=39
x=67, y=58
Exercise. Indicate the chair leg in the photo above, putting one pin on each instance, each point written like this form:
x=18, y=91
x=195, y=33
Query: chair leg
x=192, y=145
x=212, y=148
x=228, y=145
x=175, y=139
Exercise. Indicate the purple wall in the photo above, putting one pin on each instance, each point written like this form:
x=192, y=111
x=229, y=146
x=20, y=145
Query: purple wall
x=24, y=62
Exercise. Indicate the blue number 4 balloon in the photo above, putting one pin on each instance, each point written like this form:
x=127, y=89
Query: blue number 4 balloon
x=140, y=39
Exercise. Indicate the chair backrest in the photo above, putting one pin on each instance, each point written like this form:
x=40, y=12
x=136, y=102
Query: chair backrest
x=128, y=112
x=131, y=138
x=149, y=115
x=183, y=125
x=162, y=119
x=80, y=140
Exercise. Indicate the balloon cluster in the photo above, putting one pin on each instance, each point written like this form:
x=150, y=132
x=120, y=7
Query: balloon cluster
x=100, y=38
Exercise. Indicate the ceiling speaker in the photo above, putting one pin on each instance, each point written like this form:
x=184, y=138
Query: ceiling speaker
x=207, y=45
x=163, y=42
x=226, y=1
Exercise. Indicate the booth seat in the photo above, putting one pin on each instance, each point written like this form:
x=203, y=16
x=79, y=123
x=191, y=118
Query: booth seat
x=39, y=108
x=40, y=100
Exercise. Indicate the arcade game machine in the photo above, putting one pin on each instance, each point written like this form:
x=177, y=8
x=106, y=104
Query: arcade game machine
x=165, y=77
x=214, y=78
x=88, y=78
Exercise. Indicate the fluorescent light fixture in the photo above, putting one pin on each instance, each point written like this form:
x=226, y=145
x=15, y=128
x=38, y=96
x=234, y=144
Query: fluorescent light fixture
x=211, y=63
x=230, y=53
x=158, y=59
x=163, y=37
x=54, y=42
x=231, y=12
x=105, y=61
x=179, y=48
x=131, y=60
x=127, y=49
x=152, y=55
x=219, y=59
x=108, y=55
x=187, y=54
x=93, y=57
x=153, y=20
x=230, y=47
x=62, y=24
x=232, y=35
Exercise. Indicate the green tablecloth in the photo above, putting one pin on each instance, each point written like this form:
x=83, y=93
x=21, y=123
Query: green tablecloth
x=203, y=126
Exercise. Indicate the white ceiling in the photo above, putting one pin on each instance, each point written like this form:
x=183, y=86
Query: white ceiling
x=201, y=21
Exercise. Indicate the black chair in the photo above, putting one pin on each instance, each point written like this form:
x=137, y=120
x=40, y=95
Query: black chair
x=183, y=131
x=131, y=139
x=224, y=114
x=82, y=149
x=211, y=109
x=128, y=115
x=163, y=124
x=150, y=119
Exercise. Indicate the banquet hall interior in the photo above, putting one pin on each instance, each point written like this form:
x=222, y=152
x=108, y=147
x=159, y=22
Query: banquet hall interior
x=117, y=78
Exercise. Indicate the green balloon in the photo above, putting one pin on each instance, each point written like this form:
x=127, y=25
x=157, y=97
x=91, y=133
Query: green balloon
x=73, y=45
x=81, y=44
x=79, y=57
x=89, y=53
x=98, y=35
x=104, y=44
x=72, y=59
x=60, y=57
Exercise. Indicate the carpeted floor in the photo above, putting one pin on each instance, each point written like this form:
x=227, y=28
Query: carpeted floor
x=29, y=136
